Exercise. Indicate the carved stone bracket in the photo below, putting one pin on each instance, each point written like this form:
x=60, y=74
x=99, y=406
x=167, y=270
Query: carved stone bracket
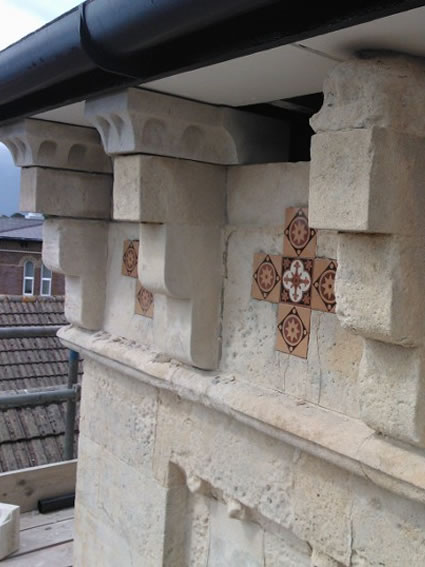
x=141, y=121
x=65, y=171
x=366, y=182
x=78, y=249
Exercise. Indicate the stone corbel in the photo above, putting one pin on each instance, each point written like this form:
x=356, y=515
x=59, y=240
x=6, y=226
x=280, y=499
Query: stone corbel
x=65, y=171
x=138, y=121
x=366, y=182
x=78, y=249
x=180, y=206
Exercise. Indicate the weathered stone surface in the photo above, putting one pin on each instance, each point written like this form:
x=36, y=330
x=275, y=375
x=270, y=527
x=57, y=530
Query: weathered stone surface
x=127, y=428
x=165, y=190
x=367, y=180
x=378, y=280
x=120, y=318
x=387, y=530
x=257, y=195
x=78, y=249
x=65, y=193
x=323, y=500
x=319, y=559
x=392, y=388
x=382, y=89
x=183, y=263
x=329, y=377
x=140, y=121
x=232, y=541
x=222, y=453
x=51, y=144
x=9, y=529
x=285, y=551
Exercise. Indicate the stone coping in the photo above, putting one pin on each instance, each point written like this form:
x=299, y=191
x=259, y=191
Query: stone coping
x=338, y=439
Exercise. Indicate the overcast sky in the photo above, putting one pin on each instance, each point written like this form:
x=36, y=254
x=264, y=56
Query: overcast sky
x=17, y=19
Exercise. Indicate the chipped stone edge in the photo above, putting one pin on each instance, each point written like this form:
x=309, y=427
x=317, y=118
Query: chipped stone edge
x=340, y=440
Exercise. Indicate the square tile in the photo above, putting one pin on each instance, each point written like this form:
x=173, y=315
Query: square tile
x=323, y=288
x=129, y=258
x=299, y=241
x=293, y=330
x=266, y=277
x=297, y=274
x=144, y=301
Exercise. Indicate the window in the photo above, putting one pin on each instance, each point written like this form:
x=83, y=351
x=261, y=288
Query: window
x=46, y=281
x=28, y=278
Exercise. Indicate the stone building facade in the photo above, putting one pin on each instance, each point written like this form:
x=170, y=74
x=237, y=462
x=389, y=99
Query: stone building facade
x=238, y=409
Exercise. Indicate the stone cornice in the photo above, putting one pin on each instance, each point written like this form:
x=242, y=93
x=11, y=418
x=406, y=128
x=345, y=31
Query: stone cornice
x=343, y=441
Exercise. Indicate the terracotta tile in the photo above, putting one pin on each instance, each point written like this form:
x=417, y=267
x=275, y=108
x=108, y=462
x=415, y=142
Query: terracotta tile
x=293, y=330
x=129, y=258
x=299, y=241
x=144, y=301
x=266, y=277
x=323, y=288
x=297, y=274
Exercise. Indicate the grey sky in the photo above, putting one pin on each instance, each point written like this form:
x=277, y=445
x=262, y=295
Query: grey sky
x=18, y=18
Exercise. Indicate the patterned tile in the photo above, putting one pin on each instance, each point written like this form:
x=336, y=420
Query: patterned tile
x=266, y=277
x=323, y=289
x=299, y=241
x=296, y=281
x=129, y=258
x=293, y=330
x=144, y=301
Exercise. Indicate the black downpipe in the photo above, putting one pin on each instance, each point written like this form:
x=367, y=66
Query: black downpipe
x=113, y=44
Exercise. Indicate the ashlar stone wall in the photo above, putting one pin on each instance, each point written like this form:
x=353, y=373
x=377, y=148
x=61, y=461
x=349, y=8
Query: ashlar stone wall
x=202, y=443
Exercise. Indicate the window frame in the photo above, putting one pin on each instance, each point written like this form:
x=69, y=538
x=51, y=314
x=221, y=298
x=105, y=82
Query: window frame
x=43, y=278
x=30, y=278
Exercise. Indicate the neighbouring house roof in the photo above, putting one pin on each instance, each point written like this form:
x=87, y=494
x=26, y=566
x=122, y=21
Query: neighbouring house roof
x=21, y=229
x=32, y=436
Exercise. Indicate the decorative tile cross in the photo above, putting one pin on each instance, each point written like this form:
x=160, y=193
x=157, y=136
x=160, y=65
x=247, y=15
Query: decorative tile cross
x=298, y=281
x=144, y=298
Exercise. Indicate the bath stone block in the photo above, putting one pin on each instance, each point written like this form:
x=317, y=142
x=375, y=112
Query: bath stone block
x=78, y=249
x=257, y=195
x=9, y=529
x=322, y=494
x=367, y=181
x=51, y=144
x=379, y=287
x=392, y=391
x=319, y=559
x=161, y=190
x=377, y=90
x=65, y=193
x=136, y=121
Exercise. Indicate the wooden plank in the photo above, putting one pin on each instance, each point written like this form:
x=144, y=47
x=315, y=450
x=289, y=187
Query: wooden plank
x=45, y=536
x=26, y=487
x=34, y=518
x=56, y=556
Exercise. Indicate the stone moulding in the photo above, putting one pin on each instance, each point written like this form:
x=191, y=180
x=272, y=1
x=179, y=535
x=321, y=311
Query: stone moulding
x=61, y=146
x=141, y=121
x=340, y=440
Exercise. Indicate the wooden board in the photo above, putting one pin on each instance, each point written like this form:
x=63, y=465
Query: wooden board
x=26, y=487
x=33, y=519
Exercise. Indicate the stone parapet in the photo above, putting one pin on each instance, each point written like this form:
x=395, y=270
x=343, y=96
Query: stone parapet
x=138, y=121
x=248, y=471
x=366, y=182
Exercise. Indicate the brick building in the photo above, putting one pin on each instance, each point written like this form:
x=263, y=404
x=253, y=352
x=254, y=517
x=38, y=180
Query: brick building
x=21, y=269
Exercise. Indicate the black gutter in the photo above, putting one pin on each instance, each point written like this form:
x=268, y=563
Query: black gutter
x=104, y=45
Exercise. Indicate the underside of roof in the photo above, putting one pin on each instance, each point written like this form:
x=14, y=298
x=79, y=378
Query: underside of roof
x=235, y=52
